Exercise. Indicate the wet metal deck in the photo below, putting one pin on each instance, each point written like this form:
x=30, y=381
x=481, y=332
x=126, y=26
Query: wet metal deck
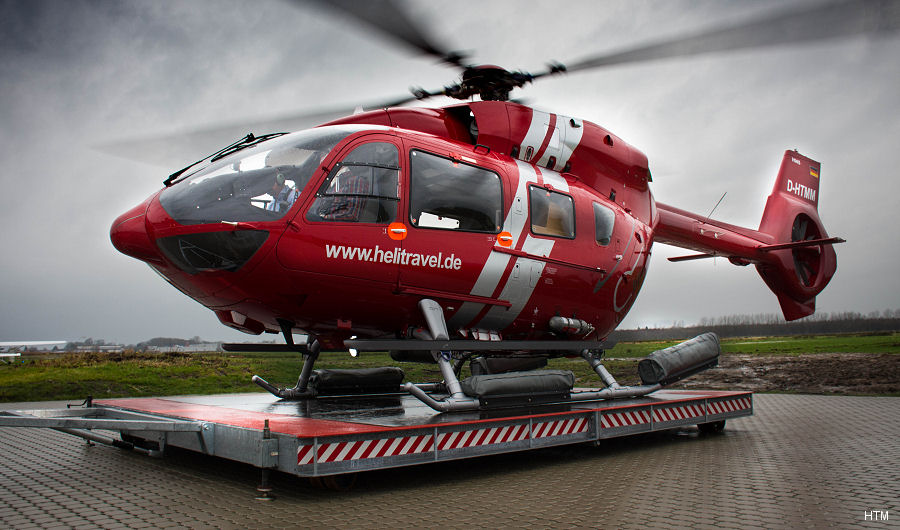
x=336, y=416
x=799, y=461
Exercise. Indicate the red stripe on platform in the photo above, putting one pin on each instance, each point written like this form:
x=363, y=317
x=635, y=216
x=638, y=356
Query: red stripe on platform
x=362, y=449
x=304, y=455
x=369, y=449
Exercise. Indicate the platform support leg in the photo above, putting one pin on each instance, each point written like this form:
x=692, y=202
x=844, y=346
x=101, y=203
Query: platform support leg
x=264, y=489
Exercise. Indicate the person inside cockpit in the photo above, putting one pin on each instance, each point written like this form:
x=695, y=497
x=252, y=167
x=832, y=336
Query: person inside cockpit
x=283, y=195
x=350, y=190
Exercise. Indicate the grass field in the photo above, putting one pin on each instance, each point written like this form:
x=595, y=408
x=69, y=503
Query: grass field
x=77, y=375
x=795, y=345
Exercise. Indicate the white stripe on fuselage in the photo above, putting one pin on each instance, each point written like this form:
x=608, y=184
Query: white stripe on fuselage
x=565, y=137
x=492, y=272
x=537, y=131
x=571, y=138
x=520, y=285
x=526, y=273
x=555, y=180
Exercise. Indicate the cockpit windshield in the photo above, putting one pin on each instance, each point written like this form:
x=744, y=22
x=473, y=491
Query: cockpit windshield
x=257, y=184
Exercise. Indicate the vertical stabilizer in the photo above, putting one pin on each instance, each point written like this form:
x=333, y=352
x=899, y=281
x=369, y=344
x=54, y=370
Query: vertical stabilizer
x=796, y=275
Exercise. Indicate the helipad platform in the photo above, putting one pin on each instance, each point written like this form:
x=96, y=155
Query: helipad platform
x=331, y=436
x=801, y=461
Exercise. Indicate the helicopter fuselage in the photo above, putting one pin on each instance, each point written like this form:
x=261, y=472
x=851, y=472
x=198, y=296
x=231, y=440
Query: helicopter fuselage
x=504, y=215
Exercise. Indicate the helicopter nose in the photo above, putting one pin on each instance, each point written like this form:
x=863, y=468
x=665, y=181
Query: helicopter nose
x=129, y=235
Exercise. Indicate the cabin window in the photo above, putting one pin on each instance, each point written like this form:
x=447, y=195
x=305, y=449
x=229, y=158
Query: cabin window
x=552, y=213
x=604, y=221
x=452, y=195
x=361, y=188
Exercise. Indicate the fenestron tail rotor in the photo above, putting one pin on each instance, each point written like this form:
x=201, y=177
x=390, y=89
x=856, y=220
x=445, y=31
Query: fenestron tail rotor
x=806, y=259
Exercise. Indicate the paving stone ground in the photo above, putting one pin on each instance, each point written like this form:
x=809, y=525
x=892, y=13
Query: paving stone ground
x=800, y=462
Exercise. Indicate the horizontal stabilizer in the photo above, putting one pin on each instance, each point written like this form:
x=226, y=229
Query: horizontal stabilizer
x=691, y=257
x=767, y=248
x=800, y=244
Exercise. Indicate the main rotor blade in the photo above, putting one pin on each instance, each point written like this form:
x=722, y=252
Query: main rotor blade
x=392, y=21
x=816, y=23
x=175, y=149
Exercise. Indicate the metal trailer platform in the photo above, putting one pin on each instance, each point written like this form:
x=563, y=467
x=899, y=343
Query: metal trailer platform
x=332, y=436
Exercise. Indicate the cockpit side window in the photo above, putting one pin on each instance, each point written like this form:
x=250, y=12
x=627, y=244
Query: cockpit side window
x=361, y=188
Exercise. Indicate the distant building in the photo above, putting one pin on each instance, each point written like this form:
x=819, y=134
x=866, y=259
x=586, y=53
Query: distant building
x=32, y=346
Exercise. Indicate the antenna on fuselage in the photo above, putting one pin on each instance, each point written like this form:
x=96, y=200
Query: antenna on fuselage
x=714, y=208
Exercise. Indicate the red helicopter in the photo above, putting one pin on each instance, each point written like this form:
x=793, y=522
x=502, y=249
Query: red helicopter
x=485, y=231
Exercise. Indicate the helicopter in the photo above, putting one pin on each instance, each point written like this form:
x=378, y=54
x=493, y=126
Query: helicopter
x=485, y=231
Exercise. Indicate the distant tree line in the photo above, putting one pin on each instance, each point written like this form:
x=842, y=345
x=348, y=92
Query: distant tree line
x=86, y=344
x=767, y=324
x=168, y=342
x=92, y=344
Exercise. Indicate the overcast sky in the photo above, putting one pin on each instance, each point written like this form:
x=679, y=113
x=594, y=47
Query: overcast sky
x=75, y=75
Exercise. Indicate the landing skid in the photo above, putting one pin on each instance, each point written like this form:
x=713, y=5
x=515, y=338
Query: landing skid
x=487, y=391
x=310, y=352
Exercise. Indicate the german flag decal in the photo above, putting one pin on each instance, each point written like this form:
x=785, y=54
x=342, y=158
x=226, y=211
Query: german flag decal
x=813, y=172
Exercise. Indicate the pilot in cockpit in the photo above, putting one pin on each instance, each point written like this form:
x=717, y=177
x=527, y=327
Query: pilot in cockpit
x=283, y=195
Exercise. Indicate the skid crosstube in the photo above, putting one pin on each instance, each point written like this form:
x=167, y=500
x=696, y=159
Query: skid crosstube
x=346, y=435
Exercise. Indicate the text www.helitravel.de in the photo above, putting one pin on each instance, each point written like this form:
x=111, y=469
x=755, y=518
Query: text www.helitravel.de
x=395, y=255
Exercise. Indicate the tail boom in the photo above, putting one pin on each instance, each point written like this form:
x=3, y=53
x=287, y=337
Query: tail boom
x=791, y=250
x=709, y=237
